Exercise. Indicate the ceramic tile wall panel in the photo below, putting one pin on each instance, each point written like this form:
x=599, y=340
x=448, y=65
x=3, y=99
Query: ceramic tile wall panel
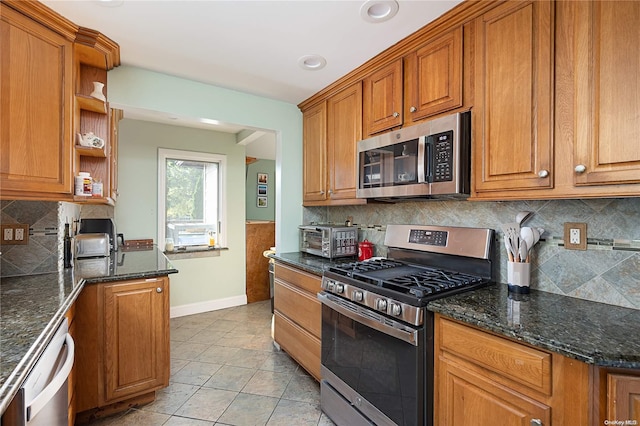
x=40, y=255
x=44, y=251
x=608, y=271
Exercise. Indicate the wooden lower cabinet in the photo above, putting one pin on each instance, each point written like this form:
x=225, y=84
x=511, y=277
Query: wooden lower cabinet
x=122, y=354
x=298, y=316
x=481, y=377
x=617, y=396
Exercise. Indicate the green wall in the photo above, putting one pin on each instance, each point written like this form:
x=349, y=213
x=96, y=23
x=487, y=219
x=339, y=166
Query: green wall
x=139, y=88
x=253, y=211
x=136, y=213
x=203, y=281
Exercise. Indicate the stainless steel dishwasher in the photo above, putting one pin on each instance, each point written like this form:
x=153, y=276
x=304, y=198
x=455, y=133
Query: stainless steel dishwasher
x=43, y=398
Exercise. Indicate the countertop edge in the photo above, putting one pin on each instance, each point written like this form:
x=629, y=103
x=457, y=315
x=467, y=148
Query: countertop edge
x=596, y=359
x=24, y=366
x=19, y=374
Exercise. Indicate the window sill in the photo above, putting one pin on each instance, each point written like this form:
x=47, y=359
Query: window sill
x=194, y=252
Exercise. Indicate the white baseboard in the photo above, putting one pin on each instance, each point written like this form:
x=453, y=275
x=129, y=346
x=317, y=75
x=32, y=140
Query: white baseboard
x=209, y=305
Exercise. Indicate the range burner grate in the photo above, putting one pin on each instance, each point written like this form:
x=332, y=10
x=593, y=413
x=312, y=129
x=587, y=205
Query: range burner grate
x=431, y=281
x=416, y=280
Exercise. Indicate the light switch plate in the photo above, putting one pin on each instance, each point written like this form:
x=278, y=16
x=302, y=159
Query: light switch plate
x=573, y=231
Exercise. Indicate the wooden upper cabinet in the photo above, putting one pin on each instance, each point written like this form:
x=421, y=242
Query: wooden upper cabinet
x=434, y=77
x=37, y=106
x=382, y=99
x=513, y=102
x=344, y=120
x=331, y=131
x=314, y=153
x=426, y=82
x=607, y=128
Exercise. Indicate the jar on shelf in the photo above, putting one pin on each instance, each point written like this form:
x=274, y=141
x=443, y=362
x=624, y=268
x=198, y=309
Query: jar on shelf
x=83, y=184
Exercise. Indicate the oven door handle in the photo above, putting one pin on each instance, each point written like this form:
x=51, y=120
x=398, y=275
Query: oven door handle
x=406, y=336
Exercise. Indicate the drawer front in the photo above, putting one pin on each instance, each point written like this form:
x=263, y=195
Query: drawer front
x=308, y=282
x=519, y=363
x=300, y=345
x=300, y=307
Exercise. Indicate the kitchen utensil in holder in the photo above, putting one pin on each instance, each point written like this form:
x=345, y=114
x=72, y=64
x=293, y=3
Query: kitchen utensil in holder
x=518, y=276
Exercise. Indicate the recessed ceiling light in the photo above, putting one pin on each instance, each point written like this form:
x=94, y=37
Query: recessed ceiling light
x=378, y=10
x=312, y=62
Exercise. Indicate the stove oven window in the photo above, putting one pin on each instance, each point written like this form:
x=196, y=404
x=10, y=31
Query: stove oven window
x=385, y=371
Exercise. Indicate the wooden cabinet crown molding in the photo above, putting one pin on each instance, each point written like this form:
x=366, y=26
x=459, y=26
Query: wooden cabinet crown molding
x=101, y=45
x=459, y=15
x=45, y=16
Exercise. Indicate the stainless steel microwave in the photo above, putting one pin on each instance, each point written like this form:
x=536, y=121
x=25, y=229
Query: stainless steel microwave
x=330, y=241
x=428, y=160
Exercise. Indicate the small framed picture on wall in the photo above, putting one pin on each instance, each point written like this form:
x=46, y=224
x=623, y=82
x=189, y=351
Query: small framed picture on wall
x=262, y=202
x=263, y=178
x=262, y=189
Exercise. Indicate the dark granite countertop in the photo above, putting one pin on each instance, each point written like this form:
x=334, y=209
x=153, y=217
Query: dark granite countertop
x=595, y=333
x=32, y=306
x=309, y=262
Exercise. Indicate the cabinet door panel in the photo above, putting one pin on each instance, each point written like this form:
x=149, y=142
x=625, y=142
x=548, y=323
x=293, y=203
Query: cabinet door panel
x=382, y=99
x=607, y=92
x=437, y=77
x=36, y=93
x=136, y=325
x=314, y=153
x=467, y=398
x=514, y=92
x=344, y=119
x=624, y=397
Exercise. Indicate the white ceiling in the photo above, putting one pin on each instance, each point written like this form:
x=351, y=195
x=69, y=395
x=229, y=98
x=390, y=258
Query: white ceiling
x=249, y=46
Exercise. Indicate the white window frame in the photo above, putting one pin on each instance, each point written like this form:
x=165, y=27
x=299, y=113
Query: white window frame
x=221, y=160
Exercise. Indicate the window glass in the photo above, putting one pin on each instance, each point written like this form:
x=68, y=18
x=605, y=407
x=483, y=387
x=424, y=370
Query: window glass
x=192, y=198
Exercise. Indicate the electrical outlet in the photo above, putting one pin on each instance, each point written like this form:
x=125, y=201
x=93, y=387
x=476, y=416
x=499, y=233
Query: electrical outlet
x=575, y=235
x=15, y=233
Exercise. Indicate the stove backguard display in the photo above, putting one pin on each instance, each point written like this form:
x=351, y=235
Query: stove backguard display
x=429, y=238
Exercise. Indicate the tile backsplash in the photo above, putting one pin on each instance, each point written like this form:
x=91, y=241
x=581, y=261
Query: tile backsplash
x=608, y=271
x=46, y=219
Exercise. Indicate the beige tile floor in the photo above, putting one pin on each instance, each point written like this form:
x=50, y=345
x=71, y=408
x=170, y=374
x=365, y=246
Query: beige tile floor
x=225, y=370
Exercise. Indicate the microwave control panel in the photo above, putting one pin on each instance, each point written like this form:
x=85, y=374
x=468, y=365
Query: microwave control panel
x=442, y=156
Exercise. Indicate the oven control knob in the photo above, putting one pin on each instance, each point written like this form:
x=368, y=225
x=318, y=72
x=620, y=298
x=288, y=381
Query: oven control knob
x=330, y=285
x=395, y=309
x=339, y=288
x=381, y=305
x=358, y=296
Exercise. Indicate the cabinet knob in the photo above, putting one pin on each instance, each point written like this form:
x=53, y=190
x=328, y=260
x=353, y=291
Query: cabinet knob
x=158, y=289
x=322, y=192
x=396, y=114
x=543, y=173
x=413, y=109
x=535, y=422
x=580, y=168
x=330, y=191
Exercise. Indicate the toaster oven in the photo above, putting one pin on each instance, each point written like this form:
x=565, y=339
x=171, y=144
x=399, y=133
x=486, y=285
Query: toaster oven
x=92, y=245
x=330, y=241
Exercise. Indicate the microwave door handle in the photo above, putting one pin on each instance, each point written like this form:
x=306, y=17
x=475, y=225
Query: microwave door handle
x=428, y=160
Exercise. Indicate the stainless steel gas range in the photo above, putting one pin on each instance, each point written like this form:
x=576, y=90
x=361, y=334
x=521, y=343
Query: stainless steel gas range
x=377, y=335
